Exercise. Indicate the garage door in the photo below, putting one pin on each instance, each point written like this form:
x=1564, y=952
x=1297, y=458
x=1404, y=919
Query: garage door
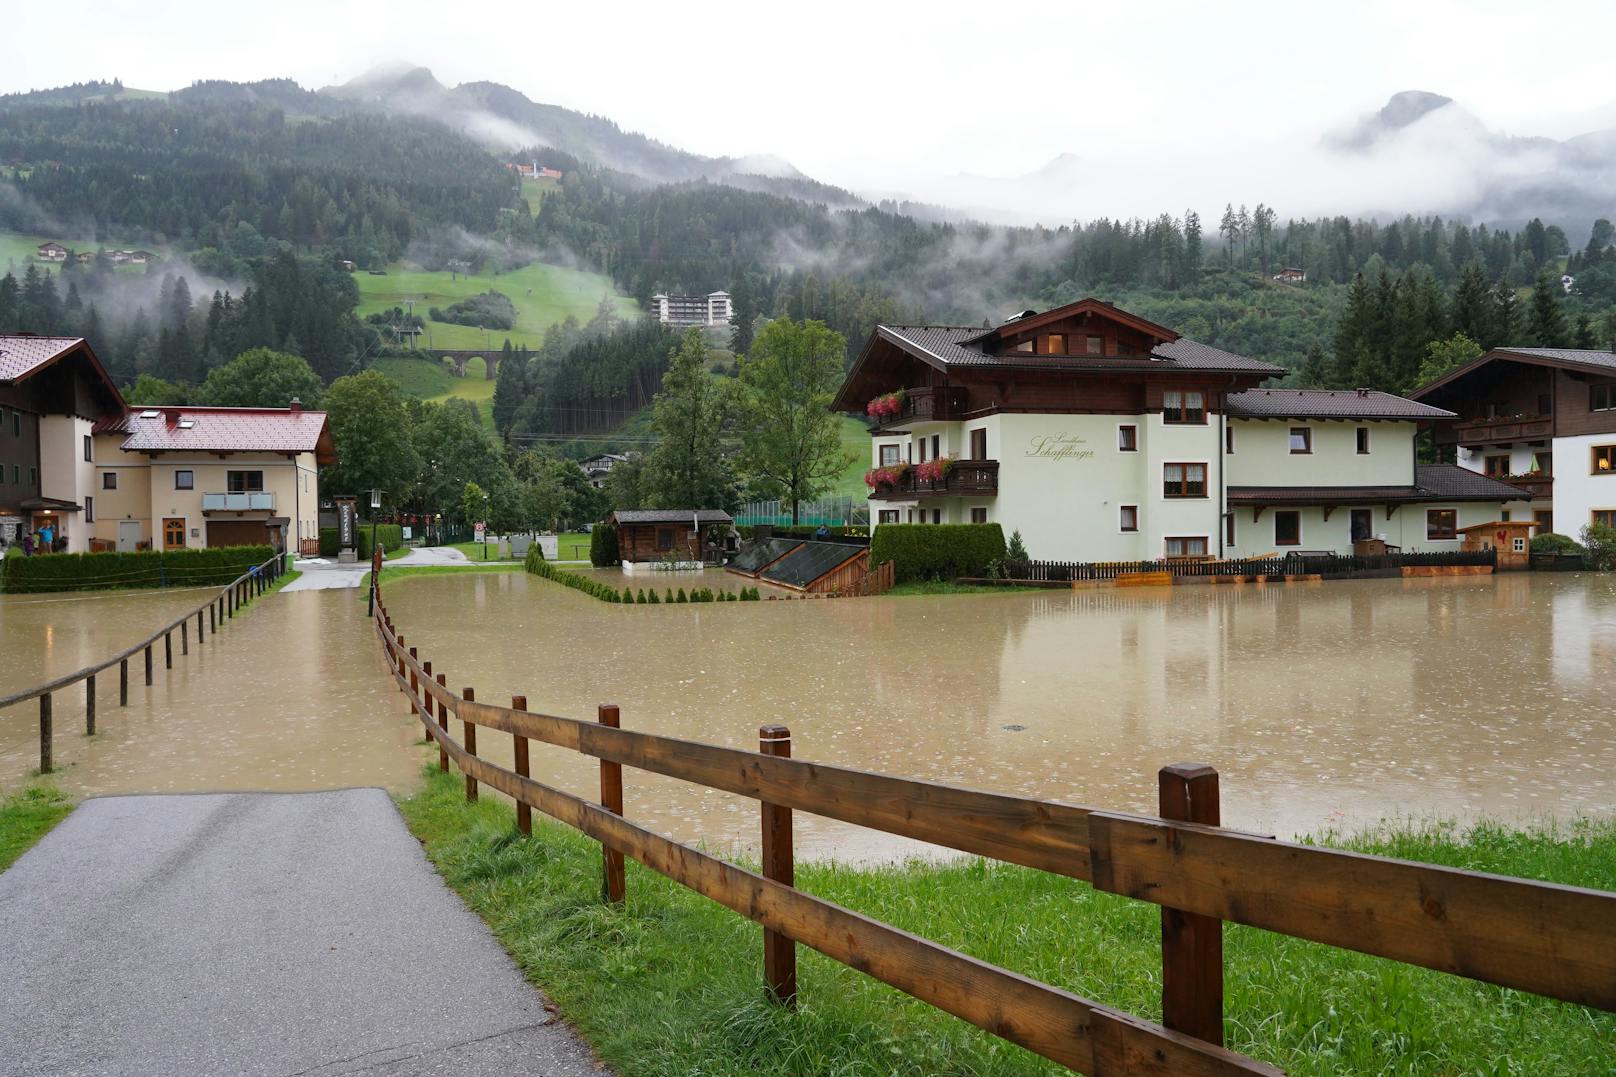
x=237, y=533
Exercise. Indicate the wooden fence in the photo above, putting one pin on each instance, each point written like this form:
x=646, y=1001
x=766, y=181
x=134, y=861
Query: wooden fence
x=1558, y=941
x=220, y=607
x=1328, y=565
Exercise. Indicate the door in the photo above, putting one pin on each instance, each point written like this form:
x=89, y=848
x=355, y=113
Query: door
x=173, y=533
x=1363, y=525
x=979, y=444
x=128, y=536
x=238, y=533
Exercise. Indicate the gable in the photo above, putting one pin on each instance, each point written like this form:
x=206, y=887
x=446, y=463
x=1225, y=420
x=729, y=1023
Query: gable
x=1086, y=327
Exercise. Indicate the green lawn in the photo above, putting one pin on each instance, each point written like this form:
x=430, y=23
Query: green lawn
x=855, y=440
x=543, y=295
x=25, y=817
x=566, y=543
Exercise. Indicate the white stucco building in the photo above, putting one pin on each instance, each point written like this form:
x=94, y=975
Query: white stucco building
x=1101, y=436
x=714, y=308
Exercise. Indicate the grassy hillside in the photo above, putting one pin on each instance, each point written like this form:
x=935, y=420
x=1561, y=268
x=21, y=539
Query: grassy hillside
x=856, y=440
x=430, y=379
x=543, y=295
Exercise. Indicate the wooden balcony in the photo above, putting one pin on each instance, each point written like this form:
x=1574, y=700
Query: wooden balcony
x=1498, y=431
x=967, y=478
x=932, y=404
x=1532, y=486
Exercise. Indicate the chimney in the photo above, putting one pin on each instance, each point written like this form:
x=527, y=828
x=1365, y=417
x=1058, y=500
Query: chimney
x=297, y=406
x=1363, y=392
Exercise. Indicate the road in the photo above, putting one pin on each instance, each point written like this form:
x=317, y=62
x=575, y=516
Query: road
x=320, y=574
x=253, y=933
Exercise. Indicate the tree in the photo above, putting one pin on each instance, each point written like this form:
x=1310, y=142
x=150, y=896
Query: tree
x=371, y=432
x=793, y=440
x=262, y=378
x=1545, y=322
x=473, y=502
x=1192, y=245
x=152, y=391
x=1442, y=356
x=625, y=482
x=510, y=387
x=454, y=449
x=691, y=416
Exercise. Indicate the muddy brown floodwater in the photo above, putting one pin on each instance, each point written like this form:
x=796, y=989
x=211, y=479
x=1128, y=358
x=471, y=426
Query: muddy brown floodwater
x=1327, y=705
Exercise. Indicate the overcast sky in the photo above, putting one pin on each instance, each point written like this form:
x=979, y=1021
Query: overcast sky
x=889, y=96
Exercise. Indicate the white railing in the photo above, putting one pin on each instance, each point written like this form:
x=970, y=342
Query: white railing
x=238, y=502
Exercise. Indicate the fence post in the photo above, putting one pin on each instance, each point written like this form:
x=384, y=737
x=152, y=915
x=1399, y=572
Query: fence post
x=613, y=885
x=779, y=952
x=1192, y=944
x=89, y=705
x=400, y=655
x=212, y=625
x=123, y=682
x=185, y=636
x=168, y=650
x=426, y=668
x=524, y=813
x=199, y=627
x=148, y=665
x=443, y=725
x=469, y=732
x=415, y=688
x=45, y=733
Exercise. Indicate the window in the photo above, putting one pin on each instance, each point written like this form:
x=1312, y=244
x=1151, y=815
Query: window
x=1441, y=523
x=889, y=455
x=887, y=516
x=1096, y=345
x=936, y=446
x=184, y=480
x=1183, y=406
x=1496, y=466
x=1128, y=438
x=1183, y=480
x=1128, y=518
x=1504, y=516
x=89, y=509
x=89, y=449
x=1287, y=528
x=1544, y=462
x=1228, y=440
x=109, y=480
x=1188, y=546
x=664, y=538
x=33, y=476
x=922, y=444
x=242, y=482
x=1363, y=441
x=1602, y=397
x=979, y=515
x=1604, y=459
x=1024, y=346
x=979, y=444
x=16, y=424
x=1544, y=519
x=1519, y=544
x=16, y=473
x=1055, y=344
x=1604, y=517
x=1301, y=440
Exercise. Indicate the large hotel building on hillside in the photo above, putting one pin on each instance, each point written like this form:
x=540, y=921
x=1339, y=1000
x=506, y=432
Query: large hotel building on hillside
x=1102, y=436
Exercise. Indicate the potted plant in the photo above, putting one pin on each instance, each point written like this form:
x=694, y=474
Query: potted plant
x=934, y=470
x=886, y=406
x=877, y=477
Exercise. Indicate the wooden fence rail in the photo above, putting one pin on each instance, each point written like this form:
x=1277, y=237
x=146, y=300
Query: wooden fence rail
x=1554, y=940
x=232, y=596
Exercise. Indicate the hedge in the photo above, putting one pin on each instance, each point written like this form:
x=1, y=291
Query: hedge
x=937, y=551
x=538, y=566
x=391, y=536
x=603, y=546
x=213, y=566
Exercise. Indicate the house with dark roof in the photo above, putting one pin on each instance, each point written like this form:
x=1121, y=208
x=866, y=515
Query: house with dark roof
x=52, y=392
x=200, y=476
x=1103, y=436
x=1540, y=419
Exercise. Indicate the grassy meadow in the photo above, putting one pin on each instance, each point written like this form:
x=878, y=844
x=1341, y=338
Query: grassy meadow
x=543, y=295
x=672, y=982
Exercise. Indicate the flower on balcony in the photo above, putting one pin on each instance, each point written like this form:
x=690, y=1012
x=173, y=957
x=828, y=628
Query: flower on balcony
x=886, y=406
x=877, y=477
x=935, y=470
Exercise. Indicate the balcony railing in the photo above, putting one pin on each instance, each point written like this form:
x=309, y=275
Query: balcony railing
x=966, y=478
x=238, y=502
x=1533, y=486
x=929, y=404
x=1496, y=431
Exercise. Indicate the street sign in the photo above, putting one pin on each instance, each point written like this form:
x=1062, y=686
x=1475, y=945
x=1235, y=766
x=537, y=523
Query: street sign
x=479, y=530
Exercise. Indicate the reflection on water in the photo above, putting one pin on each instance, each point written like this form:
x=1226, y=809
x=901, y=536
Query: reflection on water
x=1321, y=705
x=288, y=696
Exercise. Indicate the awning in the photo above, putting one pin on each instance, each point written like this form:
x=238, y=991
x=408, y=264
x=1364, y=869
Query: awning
x=49, y=504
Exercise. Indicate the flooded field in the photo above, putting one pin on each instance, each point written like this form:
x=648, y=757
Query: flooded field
x=1322, y=705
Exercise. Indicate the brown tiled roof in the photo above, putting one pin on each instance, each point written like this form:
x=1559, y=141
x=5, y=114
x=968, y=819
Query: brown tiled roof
x=947, y=346
x=1432, y=482
x=1328, y=404
x=672, y=516
x=21, y=356
x=1583, y=356
x=1593, y=361
x=278, y=430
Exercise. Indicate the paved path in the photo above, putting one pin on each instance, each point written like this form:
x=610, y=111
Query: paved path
x=319, y=573
x=255, y=933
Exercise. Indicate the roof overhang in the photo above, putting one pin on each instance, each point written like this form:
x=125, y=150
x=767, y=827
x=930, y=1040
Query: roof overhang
x=1507, y=356
x=49, y=504
x=1088, y=305
x=119, y=405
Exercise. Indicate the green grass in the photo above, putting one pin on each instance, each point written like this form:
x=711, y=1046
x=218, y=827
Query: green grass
x=543, y=295
x=400, y=572
x=856, y=440
x=947, y=587
x=475, y=551
x=672, y=982
x=17, y=249
x=26, y=817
